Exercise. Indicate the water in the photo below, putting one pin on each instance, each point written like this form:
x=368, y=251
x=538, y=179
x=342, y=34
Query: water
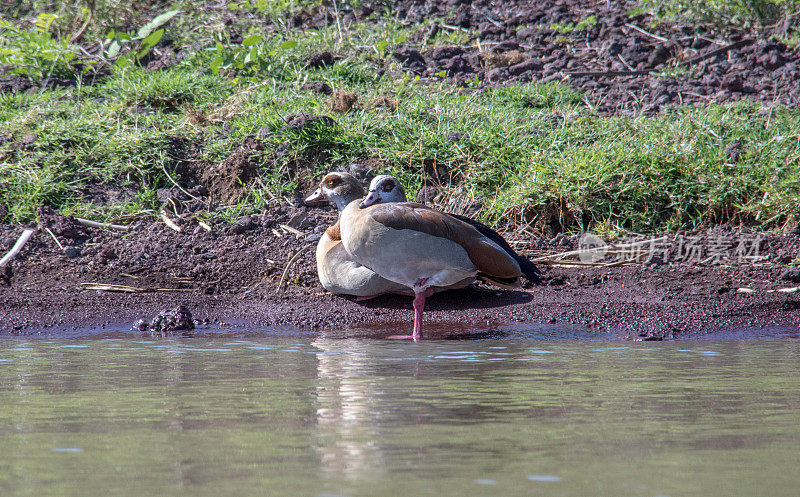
x=304, y=415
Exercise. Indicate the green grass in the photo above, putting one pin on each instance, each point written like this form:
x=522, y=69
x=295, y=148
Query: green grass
x=723, y=13
x=531, y=154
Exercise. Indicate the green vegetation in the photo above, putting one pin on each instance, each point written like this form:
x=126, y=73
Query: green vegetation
x=531, y=154
x=571, y=27
x=724, y=13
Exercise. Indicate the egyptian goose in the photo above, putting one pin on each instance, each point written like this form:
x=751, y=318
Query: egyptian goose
x=420, y=248
x=385, y=188
x=337, y=270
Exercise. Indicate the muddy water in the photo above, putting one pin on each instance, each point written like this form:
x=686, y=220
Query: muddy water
x=303, y=415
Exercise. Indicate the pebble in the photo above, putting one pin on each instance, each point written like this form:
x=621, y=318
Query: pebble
x=72, y=252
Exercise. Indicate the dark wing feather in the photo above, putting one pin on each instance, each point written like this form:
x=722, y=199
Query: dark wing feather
x=528, y=268
x=495, y=264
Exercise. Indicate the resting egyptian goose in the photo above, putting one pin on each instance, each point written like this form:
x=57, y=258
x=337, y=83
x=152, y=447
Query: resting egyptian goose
x=385, y=188
x=337, y=270
x=419, y=247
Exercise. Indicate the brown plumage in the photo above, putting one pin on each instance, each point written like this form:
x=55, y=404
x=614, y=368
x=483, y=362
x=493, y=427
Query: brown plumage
x=422, y=248
x=492, y=262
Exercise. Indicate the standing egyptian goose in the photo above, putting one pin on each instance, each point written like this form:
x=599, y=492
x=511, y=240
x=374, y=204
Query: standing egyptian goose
x=385, y=188
x=337, y=270
x=419, y=247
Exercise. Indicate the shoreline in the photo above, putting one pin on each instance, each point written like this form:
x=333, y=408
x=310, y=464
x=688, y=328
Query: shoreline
x=232, y=274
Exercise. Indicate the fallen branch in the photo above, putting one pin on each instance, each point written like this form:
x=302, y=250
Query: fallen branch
x=109, y=287
x=651, y=35
x=719, y=51
x=792, y=289
x=112, y=288
x=607, y=74
x=21, y=241
x=454, y=28
x=95, y=224
x=294, y=231
x=76, y=36
x=289, y=264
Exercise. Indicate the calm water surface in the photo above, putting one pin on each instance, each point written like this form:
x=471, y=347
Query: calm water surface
x=304, y=415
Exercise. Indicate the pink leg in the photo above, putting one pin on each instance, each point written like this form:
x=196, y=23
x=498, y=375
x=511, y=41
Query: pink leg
x=419, y=306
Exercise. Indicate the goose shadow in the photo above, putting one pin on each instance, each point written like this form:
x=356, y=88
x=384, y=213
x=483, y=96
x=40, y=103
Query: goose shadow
x=466, y=298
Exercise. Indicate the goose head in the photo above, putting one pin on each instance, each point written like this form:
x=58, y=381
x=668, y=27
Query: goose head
x=384, y=189
x=338, y=188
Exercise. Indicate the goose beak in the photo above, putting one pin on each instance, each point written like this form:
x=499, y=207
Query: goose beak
x=373, y=198
x=316, y=198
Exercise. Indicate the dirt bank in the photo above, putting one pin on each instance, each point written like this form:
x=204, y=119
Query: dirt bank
x=688, y=284
x=624, y=63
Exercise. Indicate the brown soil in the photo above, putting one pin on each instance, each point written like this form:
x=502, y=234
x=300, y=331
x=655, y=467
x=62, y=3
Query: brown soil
x=616, y=59
x=232, y=275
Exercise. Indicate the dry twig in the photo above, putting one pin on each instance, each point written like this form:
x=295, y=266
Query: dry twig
x=95, y=224
x=294, y=231
x=289, y=264
x=651, y=35
x=719, y=51
x=21, y=241
x=169, y=222
x=55, y=239
x=110, y=287
x=621, y=249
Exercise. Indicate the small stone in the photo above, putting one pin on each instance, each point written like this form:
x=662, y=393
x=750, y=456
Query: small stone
x=107, y=254
x=299, y=221
x=140, y=325
x=733, y=83
x=178, y=318
x=238, y=229
x=734, y=152
x=72, y=251
x=29, y=138
x=299, y=122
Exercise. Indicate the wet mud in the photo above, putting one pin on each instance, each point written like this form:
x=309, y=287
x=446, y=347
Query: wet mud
x=237, y=273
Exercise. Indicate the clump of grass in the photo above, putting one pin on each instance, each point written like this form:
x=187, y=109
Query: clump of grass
x=723, y=13
x=531, y=153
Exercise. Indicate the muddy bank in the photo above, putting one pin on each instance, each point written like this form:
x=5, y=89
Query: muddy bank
x=232, y=273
